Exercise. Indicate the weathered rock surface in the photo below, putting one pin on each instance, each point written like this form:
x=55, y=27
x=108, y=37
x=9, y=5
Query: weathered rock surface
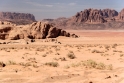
x=17, y=18
x=36, y=30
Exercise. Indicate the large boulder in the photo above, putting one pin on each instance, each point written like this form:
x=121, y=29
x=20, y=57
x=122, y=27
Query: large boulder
x=18, y=34
x=41, y=28
x=53, y=32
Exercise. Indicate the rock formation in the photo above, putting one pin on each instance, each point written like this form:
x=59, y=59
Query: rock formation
x=17, y=18
x=121, y=15
x=89, y=15
x=94, y=15
x=91, y=19
x=108, y=13
x=36, y=30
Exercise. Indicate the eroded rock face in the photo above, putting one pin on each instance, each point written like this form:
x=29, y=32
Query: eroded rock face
x=37, y=30
x=108, y=13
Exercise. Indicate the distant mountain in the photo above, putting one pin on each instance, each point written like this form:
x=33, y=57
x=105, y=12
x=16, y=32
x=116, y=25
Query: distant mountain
x=92, y=19
x=17, y=18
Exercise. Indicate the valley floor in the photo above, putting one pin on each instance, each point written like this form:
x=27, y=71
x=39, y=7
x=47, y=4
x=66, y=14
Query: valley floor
x=94, y=57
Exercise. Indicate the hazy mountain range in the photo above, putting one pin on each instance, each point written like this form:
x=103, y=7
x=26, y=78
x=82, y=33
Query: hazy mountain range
x=87, y=19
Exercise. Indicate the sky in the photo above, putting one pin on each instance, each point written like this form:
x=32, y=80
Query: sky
x=44, y=9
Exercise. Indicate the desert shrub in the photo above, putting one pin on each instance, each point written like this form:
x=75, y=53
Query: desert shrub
x=101, y=66
x=71, y=55
x=114, y=45
x=56, y=59
x=109, y=67
x=71, y=51
x=32, y=40
x=96, y=65
x=25, y=64
x=96, y=51
x=57, y=54
x=121, y=55
x=35, y=66
x=117, y=51
x=75, y=64
x=44, y=55
x=107, y=47
x=12, y=63
x=57, y=49
x=90, y=63
x=2, y=64
x=52, y=64
x=62, y=59
x=104, y=54
x=67, y=67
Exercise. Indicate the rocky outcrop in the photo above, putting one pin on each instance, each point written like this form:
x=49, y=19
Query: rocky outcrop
x=88, y=15
x=121, y=15
x=108, y=13
x=53, y=32
x=37, y=30
x=17, y=18
x=41, y=30
x=94, y=15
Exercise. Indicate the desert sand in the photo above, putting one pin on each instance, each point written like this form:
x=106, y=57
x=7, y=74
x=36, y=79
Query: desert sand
x=94, y=57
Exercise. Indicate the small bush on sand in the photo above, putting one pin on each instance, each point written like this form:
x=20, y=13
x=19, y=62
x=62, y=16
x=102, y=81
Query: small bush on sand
x=93, y=64
x=121, y=55
x=97, y=51
x=71, y=55
x=52, y=64
x=114, y=45
x=12, y=63
x=25, y=64
x=44, y=55
x=67, y=67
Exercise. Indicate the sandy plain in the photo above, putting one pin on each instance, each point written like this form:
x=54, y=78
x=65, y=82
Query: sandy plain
x=94, y=57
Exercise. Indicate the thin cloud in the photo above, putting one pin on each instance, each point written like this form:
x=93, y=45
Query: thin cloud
x=39, y=5
x=48, y=5
x=72, y=4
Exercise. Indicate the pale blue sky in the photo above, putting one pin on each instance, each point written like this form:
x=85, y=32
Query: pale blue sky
x=43, y=9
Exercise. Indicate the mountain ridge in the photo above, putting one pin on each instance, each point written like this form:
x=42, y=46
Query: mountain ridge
x=17, y=18
x=91, y=19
